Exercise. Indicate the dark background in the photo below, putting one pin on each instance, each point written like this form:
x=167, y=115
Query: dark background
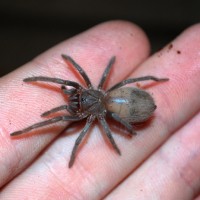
x=29, y=27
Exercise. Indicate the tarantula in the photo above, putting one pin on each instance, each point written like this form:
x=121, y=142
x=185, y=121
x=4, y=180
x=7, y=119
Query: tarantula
x=126, y=105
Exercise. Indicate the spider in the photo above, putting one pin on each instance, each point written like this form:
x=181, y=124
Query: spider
x=126, y=105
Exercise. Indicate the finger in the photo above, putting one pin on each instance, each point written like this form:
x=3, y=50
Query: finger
x=98, y=169
x=172, y=172
x=22, y=103
x=181, y=65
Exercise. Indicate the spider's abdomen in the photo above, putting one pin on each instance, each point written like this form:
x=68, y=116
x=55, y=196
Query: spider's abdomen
x=91, y=102
x=132, y=104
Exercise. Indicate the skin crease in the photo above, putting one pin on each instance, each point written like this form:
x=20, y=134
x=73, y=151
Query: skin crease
x=41, y=157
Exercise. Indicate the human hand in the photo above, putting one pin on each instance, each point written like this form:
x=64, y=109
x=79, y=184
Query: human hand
x=161, y=162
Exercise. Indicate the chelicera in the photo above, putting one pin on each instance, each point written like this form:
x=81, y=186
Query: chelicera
x=126, y=105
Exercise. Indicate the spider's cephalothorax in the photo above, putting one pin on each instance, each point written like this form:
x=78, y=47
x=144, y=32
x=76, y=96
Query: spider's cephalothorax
x=92, y=102
x=125, y=105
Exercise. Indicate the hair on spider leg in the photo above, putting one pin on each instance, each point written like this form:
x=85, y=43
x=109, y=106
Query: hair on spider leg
x=125, y=105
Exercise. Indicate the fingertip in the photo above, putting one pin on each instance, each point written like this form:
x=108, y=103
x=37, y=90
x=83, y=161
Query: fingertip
x=131, y=35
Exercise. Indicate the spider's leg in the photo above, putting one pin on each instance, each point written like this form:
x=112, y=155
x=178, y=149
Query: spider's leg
x=123, y=122
x=79, y=139
x=79, y=69
x=108, y=133
x=63, y=107
x=53, y=80
x=47, y=122
x=133, y=80
x=106, y=72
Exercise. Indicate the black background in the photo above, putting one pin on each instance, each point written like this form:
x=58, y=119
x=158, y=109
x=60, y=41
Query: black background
x=29, y=27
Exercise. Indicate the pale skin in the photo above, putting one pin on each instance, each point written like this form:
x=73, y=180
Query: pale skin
x=161, y=162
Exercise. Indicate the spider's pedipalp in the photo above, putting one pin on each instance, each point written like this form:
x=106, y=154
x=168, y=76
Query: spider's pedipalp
x=68, y=91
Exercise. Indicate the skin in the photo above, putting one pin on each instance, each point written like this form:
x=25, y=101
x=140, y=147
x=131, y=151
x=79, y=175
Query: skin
x=161, y=162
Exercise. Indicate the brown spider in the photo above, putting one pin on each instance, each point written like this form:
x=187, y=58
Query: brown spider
x=125, y=105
